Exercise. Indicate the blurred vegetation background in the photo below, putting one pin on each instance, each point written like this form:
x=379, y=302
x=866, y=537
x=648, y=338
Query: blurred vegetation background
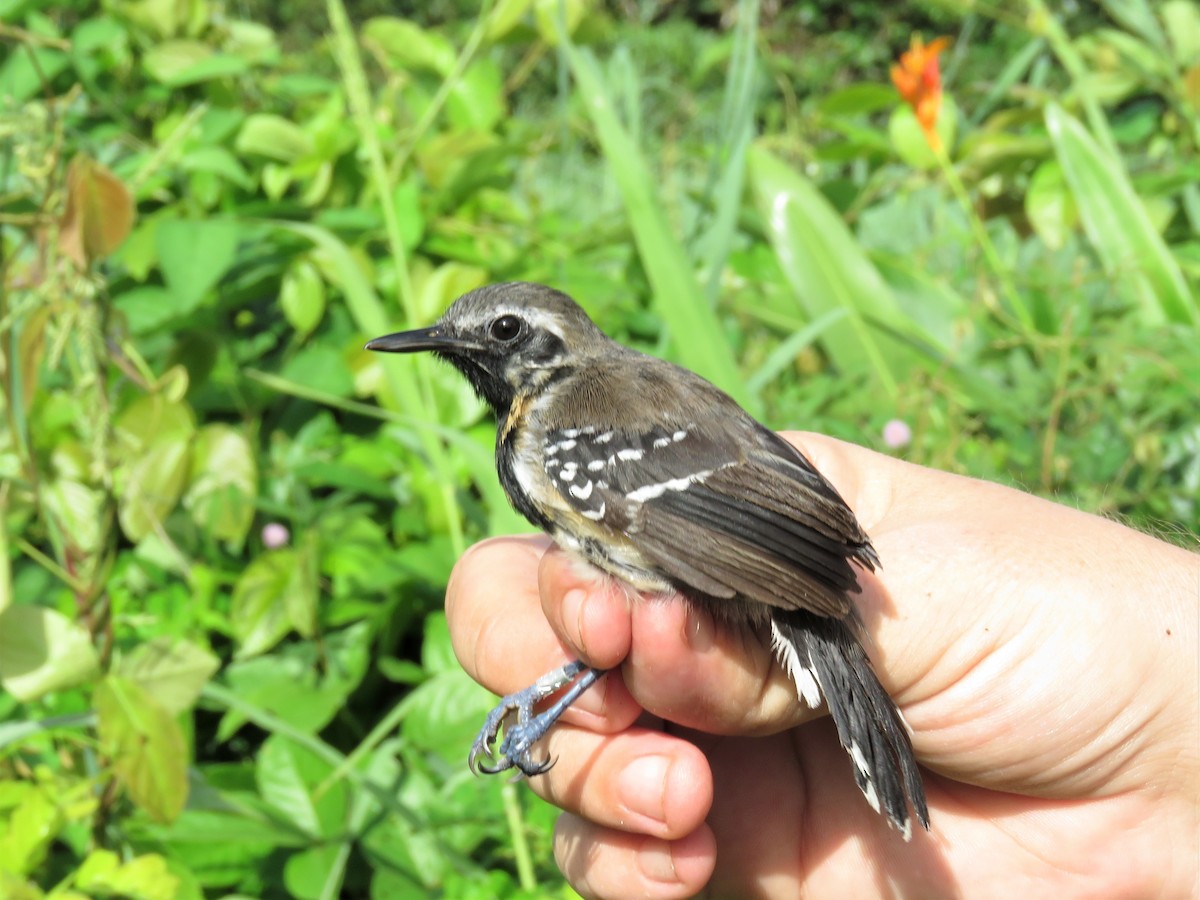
x=227, y=528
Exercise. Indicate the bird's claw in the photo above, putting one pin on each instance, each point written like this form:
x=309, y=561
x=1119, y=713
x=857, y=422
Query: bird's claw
x=516, y=750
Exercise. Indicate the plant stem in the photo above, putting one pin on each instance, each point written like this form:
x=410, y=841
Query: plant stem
x=1015, y=301
x=516, y=828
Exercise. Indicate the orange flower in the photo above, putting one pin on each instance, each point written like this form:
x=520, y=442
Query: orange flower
x=919, y=82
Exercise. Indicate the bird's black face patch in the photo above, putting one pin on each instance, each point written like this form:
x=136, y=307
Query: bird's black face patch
x=506, y=356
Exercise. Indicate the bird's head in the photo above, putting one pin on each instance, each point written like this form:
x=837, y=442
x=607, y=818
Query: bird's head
x=509, y=340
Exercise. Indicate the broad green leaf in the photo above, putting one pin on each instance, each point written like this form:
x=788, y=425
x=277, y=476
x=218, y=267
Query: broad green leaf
x=146, y=746
x=1050, y=206
x=277, y=772
x=273, y=136
x=266, y=599
x=284, y=687
x=476, y=100
x=151, y=487
x=34, y=820
x=302, y=297
x=171, y=671
x=164, y=62
x=41, y=650
x=193, y=256
x=306, y=873
x=1118, y=226
x=144, y=877
x=696, y=333
x=223, y=485
x=828, y=270
x=1182, y=18
x=409, y=46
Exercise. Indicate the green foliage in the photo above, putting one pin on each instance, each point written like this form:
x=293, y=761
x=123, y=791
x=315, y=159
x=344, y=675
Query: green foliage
x=227, y=529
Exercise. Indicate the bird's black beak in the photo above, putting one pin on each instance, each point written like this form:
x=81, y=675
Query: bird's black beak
x=433, y=338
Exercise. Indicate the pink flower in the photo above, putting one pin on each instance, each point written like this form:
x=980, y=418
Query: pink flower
x=897, y=434
x=275, y=535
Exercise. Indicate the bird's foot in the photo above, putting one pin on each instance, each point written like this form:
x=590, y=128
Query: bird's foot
x=516, y=750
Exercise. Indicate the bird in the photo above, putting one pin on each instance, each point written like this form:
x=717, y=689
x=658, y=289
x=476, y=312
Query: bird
x=658, y=478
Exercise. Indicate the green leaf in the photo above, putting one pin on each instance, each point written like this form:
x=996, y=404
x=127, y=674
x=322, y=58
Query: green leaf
x=171, y=671
x=281, y=785
x=409, y=46
x=41, y=650
x=193, y=255
x=144, y=877
x=146, y=746
x=34, y=820
x=302, y=297
x=828, y=270
x=697, y=335
x=223, y=484
x=273, y=136
x=1050, y=206
x=152, y=486
x=259, y=611
x=1118, y=226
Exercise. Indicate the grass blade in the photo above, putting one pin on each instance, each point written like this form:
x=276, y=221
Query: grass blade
x=828, y=270
x=696, y=333
x=1117, y=224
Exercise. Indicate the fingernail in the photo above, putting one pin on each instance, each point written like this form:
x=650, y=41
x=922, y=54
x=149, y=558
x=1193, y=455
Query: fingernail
x=656, y=862
x=641, y=786
x=572, y=614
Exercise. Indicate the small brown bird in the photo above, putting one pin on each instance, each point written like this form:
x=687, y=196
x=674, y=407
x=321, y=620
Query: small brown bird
x=655, y=476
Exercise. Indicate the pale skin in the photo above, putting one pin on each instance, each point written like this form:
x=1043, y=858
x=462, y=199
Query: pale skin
x=1047, y=661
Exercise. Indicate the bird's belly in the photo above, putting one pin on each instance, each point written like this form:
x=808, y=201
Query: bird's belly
x=620, y=561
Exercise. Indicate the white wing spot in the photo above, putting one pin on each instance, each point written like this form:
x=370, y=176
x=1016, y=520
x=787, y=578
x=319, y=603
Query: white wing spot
x=659, y=443
x=581, y=492
x=594, y=514
x=808, y=689
x=550, y=449
x=602, y=484
x=568, y=471
x=630, y=454
x=650, y=491
x=604, y=438
x=596, y=465
x=679, y=435
x=567, y=444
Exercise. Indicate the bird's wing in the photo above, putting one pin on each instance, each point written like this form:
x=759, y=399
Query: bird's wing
x=719, y=516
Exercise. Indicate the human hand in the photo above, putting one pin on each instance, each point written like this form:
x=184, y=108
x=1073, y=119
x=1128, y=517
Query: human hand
x=1046, y=660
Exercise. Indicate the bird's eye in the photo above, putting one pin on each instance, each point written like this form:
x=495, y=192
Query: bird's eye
x=506, y=328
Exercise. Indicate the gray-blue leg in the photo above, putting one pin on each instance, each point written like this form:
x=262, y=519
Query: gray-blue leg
x=516, y=750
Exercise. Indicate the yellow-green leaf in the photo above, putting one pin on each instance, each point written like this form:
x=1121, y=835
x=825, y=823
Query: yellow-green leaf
x=171, y=671
x=146, y=746
x=41, y=650
x=223, y=484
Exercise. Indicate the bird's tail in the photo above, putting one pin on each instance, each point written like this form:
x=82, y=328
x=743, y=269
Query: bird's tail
x=821, y=652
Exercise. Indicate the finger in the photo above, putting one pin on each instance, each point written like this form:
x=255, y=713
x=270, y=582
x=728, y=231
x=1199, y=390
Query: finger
x=600, y=862
x=641, y=781
x=501, y=637
x=678, y=663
